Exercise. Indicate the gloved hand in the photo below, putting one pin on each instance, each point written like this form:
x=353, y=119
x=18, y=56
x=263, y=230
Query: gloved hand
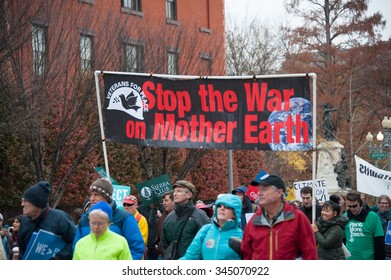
x=235, y=243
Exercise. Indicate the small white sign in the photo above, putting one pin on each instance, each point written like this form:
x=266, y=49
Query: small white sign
x=320, y=189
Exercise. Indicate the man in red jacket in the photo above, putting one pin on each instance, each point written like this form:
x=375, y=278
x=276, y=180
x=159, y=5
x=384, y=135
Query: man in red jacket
x=277, y=231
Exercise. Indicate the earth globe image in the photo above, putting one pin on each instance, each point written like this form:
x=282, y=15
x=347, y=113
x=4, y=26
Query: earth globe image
x=298, y=105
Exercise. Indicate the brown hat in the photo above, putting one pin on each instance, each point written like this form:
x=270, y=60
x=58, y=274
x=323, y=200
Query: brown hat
x=103, y=186
x=185, y=184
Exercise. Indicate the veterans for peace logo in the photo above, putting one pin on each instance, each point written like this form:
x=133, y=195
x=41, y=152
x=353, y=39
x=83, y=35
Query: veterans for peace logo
x=129, y=98
x=146, y=193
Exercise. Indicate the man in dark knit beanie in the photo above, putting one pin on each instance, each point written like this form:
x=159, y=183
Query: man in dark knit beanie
x=38, y=218
x=38, y=195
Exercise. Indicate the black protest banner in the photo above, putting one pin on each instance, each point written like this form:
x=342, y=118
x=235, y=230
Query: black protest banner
x=238, y=114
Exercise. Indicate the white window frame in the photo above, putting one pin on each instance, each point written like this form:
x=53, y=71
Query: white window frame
x=39, y=42
x=86, y=52
x=171, y=10
x=134, y=5
x=133, y=58
x=172, y=63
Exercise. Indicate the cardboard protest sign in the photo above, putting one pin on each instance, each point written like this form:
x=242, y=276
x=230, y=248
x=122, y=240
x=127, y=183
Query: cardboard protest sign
x=321, y=193
x=388, y=234
x=119, y=194
x=44, y=245
x=152, y=190
x=102, y=173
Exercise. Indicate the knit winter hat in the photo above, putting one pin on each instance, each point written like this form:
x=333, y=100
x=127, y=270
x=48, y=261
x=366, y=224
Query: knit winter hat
x=103, y=186
x=104, y=206
x=38, y=195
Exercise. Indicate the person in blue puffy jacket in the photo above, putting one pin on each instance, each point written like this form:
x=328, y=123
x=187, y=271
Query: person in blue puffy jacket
x=123, y=223
x=211, y=241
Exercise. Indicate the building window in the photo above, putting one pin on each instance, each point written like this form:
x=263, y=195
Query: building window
x=134, y=5
x=206, y=64
x=133, y=58
x=172, y=63
x=86, y=52
x=39, y=35
x=91, y=2
x=171, y=11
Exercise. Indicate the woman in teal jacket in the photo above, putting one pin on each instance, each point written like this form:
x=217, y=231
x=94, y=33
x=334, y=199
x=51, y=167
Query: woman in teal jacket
x=211, y=241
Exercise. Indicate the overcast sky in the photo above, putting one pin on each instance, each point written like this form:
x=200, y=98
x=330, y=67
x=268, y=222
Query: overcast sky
x=273, y=11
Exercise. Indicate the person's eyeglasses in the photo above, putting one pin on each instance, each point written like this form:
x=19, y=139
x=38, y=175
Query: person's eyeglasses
x=352, y=206
x=127, y=205
x=383, y=203
x=99, y=224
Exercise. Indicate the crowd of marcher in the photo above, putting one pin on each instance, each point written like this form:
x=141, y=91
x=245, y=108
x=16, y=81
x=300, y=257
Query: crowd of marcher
x=233, y=227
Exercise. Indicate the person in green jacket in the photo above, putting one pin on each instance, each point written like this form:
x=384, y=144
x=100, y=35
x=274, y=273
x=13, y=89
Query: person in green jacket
x=329, y=230
x=101, y=243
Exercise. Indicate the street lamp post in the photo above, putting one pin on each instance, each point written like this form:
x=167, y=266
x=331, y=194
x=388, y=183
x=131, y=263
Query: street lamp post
x=386, y=124
x=375, y=150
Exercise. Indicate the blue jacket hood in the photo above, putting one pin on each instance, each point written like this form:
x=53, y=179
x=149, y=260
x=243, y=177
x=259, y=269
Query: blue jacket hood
x=232, y=201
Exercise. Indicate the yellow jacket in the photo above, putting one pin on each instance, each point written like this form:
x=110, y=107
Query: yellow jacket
x=110, y=246
x=143, y=225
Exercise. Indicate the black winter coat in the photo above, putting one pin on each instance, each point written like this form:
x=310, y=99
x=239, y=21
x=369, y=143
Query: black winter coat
x=52, y=220
x=174, y=222
x=330, y=236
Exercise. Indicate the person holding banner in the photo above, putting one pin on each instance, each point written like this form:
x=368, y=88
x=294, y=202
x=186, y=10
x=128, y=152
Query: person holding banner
x=364, y=233
x=277, y=231
x=39, y=217
x=122, y=223
x=101, y=243
x=384, y=203
x=329, y=231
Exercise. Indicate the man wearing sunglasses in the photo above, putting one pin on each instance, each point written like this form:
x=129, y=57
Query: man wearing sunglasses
x=364, y=233
x=130, y=205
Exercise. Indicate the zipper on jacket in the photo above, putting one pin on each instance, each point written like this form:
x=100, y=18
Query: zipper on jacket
x=217, y=244
x=96, y=246
x=271, y=243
